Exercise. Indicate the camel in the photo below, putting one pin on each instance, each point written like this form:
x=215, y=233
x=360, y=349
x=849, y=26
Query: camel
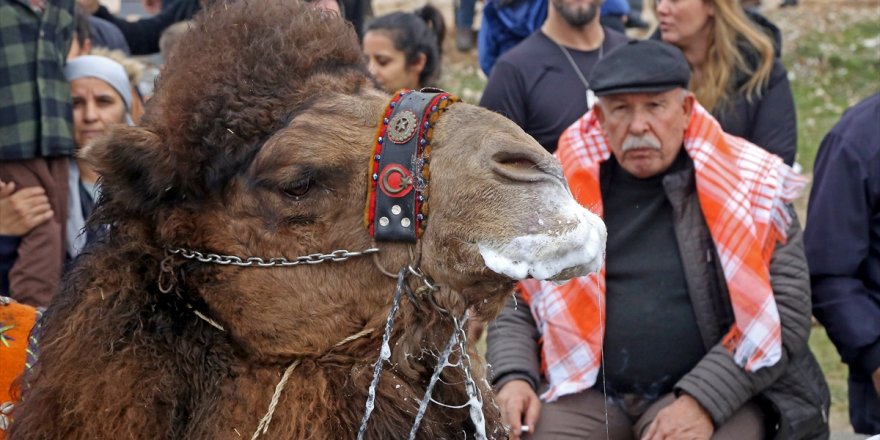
x=257, y=150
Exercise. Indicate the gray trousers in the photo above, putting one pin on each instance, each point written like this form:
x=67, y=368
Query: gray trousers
x=582, y=416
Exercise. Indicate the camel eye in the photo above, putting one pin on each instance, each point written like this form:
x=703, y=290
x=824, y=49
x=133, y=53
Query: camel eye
x=299, y=189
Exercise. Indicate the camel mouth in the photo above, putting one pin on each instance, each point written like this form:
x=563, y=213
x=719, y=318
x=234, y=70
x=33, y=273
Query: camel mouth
x=573, y=249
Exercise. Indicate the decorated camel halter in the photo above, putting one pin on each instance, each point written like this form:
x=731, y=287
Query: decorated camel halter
x=399, y=173
x=396, y=211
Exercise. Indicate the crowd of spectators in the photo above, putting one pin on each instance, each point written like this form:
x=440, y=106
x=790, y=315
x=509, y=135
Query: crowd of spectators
x=667, y=122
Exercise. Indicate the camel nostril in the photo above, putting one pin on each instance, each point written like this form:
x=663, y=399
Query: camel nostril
x=521, y=166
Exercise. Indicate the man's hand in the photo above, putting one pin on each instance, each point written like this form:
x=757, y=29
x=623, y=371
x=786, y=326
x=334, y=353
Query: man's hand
x=876, y=378
x=519, y=406
x=23, y=210
x=685, y=419
x=90, y=6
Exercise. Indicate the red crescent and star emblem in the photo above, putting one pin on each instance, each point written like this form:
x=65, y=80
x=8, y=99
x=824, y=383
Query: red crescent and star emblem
x=395, y=181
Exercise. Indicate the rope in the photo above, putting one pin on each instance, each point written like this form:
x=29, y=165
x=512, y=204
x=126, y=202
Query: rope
x=360, y=334
x=209, y=320
x=263, y=426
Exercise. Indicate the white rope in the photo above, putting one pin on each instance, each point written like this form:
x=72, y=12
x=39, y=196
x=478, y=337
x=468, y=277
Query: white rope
x=360, y=334
x=209, y=320
x=263, y=426
x=442, y=362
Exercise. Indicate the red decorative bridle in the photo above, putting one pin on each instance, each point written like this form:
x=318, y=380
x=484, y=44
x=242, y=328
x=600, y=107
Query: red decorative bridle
x=399, y=172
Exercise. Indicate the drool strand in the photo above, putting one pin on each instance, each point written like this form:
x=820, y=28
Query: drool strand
x=475, y=400
x=442, y=363
x=384, y=353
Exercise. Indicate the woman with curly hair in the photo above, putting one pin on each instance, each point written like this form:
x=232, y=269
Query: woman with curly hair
x=736, y=71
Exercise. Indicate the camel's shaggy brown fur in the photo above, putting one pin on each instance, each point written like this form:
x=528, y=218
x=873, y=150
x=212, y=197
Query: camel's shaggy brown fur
x=262, y=99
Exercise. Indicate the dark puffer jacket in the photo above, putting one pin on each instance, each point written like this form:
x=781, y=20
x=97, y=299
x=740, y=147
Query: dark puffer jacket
x=794, y=388
x=767, y=118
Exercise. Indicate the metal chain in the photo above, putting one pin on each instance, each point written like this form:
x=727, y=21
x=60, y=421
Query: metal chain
x=231, y=260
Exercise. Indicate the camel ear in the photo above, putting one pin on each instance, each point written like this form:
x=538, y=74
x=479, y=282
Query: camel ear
x=138, y=172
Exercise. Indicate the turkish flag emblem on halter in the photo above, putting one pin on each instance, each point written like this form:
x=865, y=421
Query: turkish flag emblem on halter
x=395, y=181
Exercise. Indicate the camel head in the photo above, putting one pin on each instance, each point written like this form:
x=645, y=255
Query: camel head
x=260, y=143
x=262, y=146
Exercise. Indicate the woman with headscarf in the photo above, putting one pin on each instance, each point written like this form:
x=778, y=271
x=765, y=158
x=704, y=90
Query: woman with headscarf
x=101, y=98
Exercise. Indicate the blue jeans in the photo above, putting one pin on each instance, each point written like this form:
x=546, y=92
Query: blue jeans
x=864, y=405
x=464, y=16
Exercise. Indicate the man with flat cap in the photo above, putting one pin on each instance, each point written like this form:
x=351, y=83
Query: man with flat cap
x=697, y=325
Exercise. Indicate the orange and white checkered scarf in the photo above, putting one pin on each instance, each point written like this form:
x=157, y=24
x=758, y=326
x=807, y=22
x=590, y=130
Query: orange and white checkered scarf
x=743, y=191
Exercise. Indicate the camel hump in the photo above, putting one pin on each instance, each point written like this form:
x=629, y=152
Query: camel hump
x=244, y=63
x=244, y=68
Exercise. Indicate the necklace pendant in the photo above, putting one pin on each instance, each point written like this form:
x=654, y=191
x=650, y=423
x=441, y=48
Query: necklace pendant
x=591, y=99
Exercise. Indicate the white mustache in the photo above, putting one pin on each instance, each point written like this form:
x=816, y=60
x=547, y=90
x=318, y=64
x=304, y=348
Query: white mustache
x=644, y=141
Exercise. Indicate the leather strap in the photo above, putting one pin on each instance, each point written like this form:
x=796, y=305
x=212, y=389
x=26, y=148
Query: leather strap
x=398, y=177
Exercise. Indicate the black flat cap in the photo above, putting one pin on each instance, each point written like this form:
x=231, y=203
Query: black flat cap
x=640, y=66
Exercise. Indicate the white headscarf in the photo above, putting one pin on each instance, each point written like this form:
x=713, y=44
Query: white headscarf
x=112, y=73
x=105, y=69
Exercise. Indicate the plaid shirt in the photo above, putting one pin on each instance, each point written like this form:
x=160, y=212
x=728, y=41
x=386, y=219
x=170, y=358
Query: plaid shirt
x=35, y=104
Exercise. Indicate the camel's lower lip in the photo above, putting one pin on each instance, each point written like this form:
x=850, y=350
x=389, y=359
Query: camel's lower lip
x=556, y=256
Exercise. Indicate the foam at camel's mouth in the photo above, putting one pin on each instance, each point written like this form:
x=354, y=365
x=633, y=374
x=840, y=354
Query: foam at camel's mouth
x=573, y=249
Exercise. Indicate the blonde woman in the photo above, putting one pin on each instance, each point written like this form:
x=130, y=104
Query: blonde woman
x=736, y=73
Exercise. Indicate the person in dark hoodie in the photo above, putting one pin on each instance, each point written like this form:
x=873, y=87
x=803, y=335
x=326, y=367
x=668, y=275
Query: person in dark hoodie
x=507, y=22
x=737, y=74
x=143, y=35
x=842, y=242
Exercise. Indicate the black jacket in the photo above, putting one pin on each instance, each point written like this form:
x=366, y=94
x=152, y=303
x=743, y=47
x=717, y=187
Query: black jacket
x=766, y=119
x=143, y=35
x=843, y=237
